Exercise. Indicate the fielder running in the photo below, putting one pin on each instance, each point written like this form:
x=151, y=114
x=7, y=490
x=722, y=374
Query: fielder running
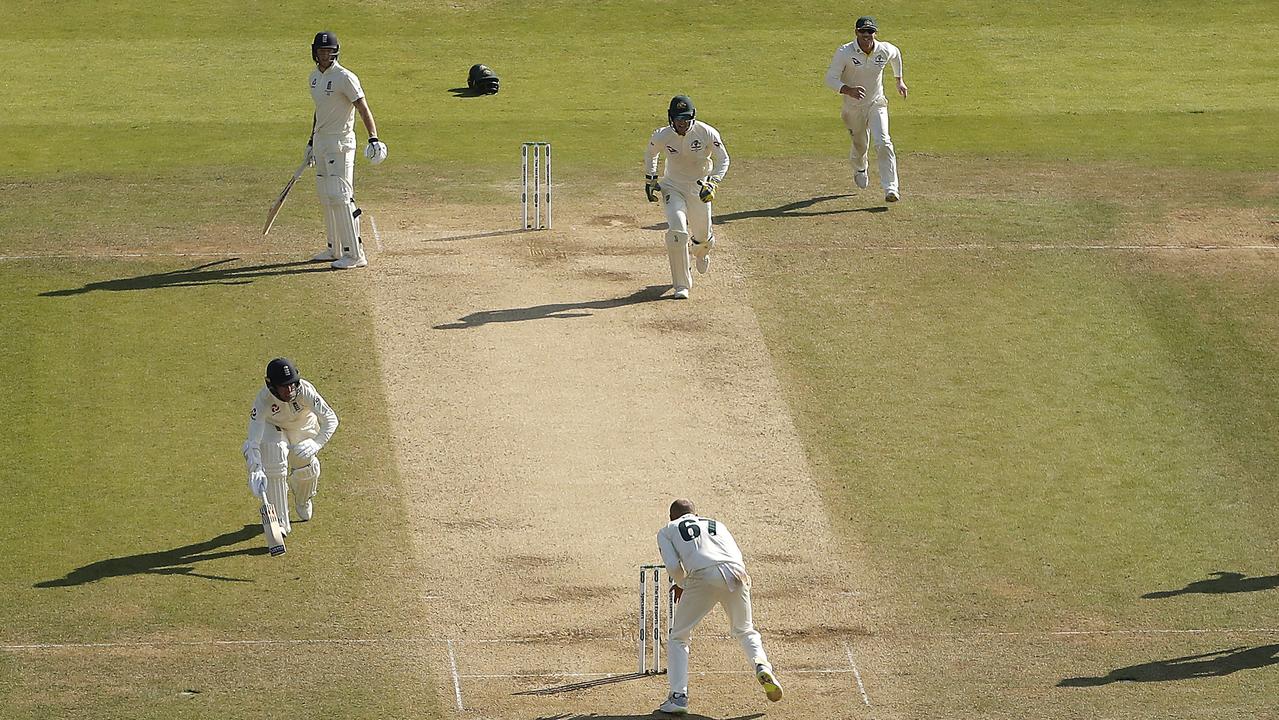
x=857, y=73
x=338, y=95
x=696, y=162
x=706, y=566
x=288, y=425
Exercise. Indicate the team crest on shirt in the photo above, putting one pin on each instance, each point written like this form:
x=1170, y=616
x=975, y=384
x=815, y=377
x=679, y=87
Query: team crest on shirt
x=296, y=407
x=880, y=60
x=328, y=88
x=695, y=145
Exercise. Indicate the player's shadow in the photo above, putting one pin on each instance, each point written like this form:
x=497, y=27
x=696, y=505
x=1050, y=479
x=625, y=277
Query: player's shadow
x=797, y=209
x=585, y=684
x=1222, y=583
x=210, y=273
x=178, y=561
x=554, y=310
x=691, y=716
x=1209, y=664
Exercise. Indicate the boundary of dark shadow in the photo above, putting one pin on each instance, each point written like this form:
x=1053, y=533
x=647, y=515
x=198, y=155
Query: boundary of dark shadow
x=210, y=273
x=787, y=210
x=558, y=311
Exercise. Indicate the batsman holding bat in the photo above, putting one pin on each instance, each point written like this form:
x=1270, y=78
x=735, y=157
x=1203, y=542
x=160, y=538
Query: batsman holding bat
x=696, y=162
x=338, y=95
x=288, y=425
x=704, y=562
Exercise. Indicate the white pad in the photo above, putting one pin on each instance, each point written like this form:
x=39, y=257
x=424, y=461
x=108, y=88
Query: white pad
x=277, y=492
x=305, y=481
x=677, y=253
x=340, y=214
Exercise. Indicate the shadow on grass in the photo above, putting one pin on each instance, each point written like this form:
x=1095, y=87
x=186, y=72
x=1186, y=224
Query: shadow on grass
x=205, y=274
x=692, y=716
x=1210, y=664
x=1223, y=583
x=465, y=92
x=177, y=561
x=555, y=310
x=788, y=210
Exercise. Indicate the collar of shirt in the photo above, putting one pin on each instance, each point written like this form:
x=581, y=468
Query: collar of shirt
x=330, y=67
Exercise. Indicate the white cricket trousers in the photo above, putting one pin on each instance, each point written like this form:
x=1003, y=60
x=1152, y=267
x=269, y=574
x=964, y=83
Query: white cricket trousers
x=685, y=212
x=279, y=462
x=867, y=124
x=726, y=585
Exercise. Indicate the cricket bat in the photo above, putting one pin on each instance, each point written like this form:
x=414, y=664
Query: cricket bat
x=271, y=528
x=279, y=201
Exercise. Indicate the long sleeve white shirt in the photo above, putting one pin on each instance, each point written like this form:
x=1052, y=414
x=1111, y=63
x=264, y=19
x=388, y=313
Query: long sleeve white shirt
x=852, y=67
x=267, y=408
x=691, y=543
x=693, y=156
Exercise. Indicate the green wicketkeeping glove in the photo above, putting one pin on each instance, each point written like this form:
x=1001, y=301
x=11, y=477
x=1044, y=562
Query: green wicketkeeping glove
x=706, y=190
x=651, y=188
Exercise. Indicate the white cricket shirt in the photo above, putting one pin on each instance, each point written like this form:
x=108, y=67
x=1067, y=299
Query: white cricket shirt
x=691, y=543
x=335, y=91
x=690, y=157
x=267, y=408
x=852, y=67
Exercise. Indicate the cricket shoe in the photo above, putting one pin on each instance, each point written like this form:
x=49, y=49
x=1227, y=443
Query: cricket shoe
x=681, y=294
x=305, y=511
x=859, y=177
x=676, y=704
x=765, y=676
x=326, y=256
x=703, y=263
x=346, y=262
x=892, y=196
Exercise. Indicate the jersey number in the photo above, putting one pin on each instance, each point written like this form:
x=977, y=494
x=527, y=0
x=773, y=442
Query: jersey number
x=690, y=530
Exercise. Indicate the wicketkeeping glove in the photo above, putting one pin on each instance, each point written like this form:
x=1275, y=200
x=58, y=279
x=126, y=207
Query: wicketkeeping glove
x=706, y=190
x=257, y=481
x=306, y=449
x=651, y=188
x=375, y=151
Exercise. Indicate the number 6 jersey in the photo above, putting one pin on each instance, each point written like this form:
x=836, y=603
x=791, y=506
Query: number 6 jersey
x=696, y=543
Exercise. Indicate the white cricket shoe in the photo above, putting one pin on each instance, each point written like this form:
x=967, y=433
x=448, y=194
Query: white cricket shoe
x=765, y=676
x=346, y=262
x=676, y=704
x=327, y=255
x=859, y=177
x=305, y=510
x=892, y=196
x=681, y=294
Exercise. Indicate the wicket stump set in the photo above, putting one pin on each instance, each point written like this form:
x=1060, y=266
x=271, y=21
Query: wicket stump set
x=541, y=184
x=652, y=621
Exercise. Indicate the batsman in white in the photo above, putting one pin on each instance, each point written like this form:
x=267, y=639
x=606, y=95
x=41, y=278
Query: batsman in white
x=704, y=562
x=696, y=162
x=338, y=95
x=288, y=425
x=857, y=73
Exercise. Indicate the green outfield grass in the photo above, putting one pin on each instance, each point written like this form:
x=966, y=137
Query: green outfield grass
x=1025, y=440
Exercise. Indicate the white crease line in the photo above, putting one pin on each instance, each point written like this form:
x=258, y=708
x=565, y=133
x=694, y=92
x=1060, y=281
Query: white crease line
x=377, y=238
x=828, y=671
x=535, y=641
x=134, y=256
x=457, y=682
x=848, y=649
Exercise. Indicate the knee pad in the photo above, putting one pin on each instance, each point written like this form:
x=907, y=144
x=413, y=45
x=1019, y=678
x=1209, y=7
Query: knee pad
x=305, y=480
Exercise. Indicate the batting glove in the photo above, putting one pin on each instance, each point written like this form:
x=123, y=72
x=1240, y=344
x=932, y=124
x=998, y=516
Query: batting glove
x=651, y=188
x=308, y=157
x=257, y=481
x=706, y=190
x=375, y=151
x=306, y=449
